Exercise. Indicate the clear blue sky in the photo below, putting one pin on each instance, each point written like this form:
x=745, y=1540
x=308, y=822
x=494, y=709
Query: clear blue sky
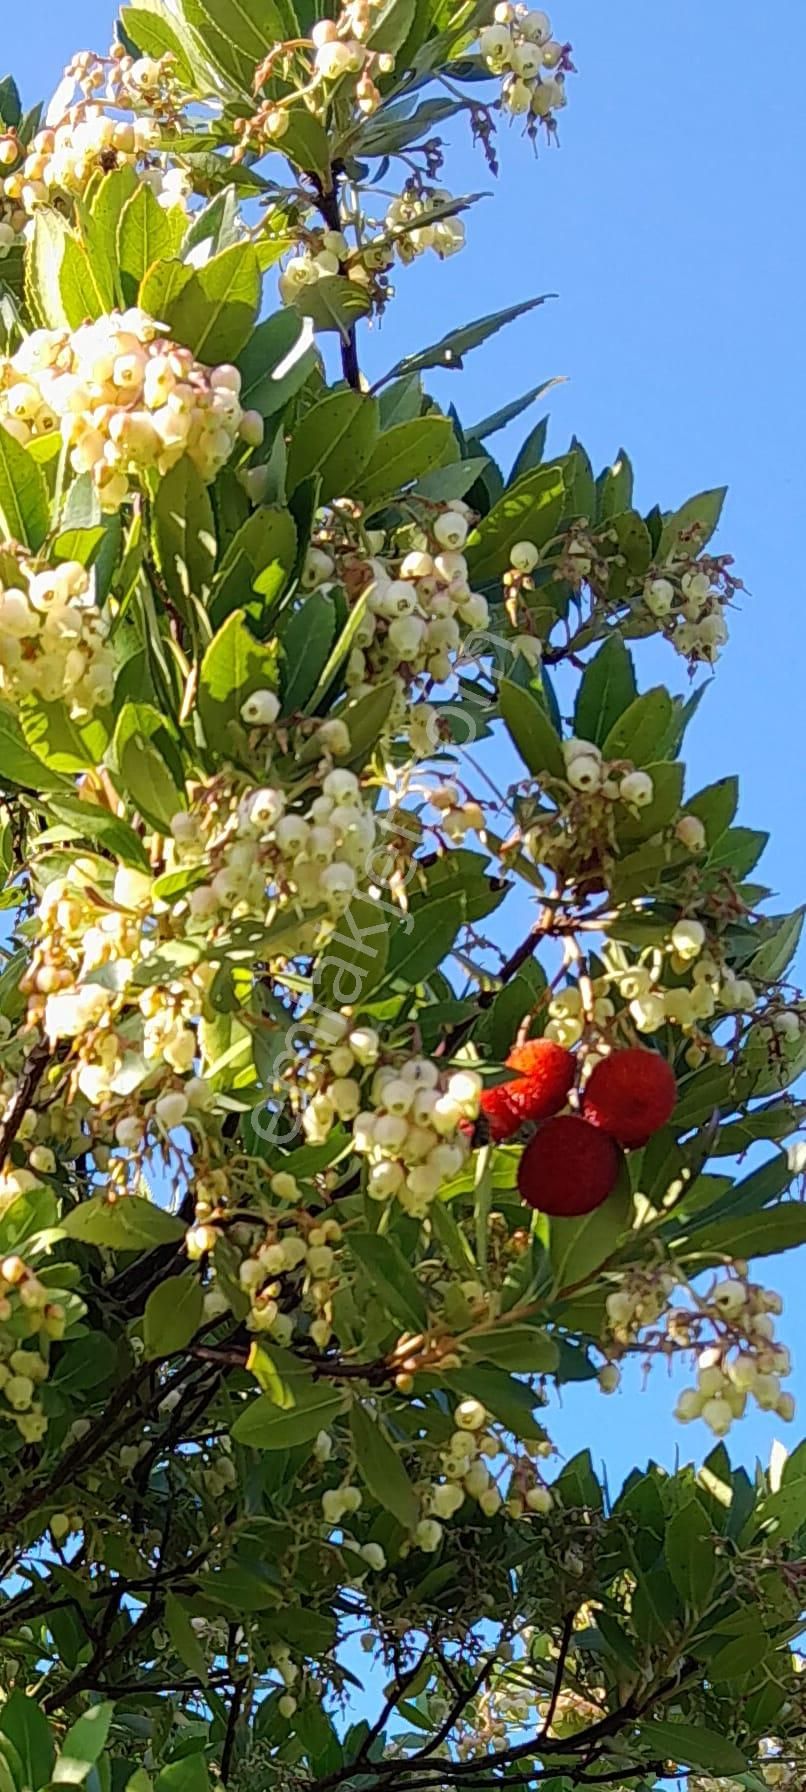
x=669, y=224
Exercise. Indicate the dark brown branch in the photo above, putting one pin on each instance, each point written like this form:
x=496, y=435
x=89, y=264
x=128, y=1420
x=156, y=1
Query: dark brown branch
x=562, y=1657
x=327, y=200
x=35, y=1066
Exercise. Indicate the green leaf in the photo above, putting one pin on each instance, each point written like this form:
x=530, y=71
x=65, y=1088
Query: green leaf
x=275, y=363
x=738, y=851
x=640, y=732
x=688, y=529
x=18, y=764
x=715, y=807
x=358, y=951
x=391, y=1278
x=44, y=258
x=91, y=822
x=522, y=1348
x=306, y=143
x=234, y=667
x=184, y=531
x=528, y=725
x=402, y=454
x=146, y=764
x=306, y=637
x=256, y=566
x=364, y=717
x=688, y=1746
x=153, y=35
x=236, y=34
x=215, y=311
x=65, y=745
x=129, y=1223
x=607, y=688
x=279, y=1373
x=27, y=1729
x=84, y=1744
x=690, y=1557
x=489, y=426
x=187, y=1774
x=614, y=488
x=528, y=511
x=772, y=959
x=146, y=233
x=333, y=303
x=531, y=453
x=335, y=439
x=264, y=1426
x=579, y=1247
x=24, y=507
x=381, y=1466
x=765, y=1234
x=183, y=1636
x=417, y=951
x=449, y=351
x=173, y=1314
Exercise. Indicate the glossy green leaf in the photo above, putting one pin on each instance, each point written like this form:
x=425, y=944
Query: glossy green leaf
x=24, y=508
x=529, y=511
x=381, y=1467
x=334, y=440
x=534, y=736
x=128, y=1224
x=173, y=1315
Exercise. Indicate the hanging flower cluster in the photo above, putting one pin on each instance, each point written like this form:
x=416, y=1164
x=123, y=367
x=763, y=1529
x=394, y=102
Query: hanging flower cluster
x=125, y=109
x=126, y=400
x=53, y=638
x=519, y=46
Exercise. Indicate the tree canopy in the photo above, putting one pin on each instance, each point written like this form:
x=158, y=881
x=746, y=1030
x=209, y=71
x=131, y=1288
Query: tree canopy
x=384, y=1021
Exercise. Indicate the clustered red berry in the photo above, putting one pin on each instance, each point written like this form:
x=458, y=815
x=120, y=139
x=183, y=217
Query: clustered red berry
x=546, y=1075
x=572, y=1164
x=631, y=1095
x=569, y=1168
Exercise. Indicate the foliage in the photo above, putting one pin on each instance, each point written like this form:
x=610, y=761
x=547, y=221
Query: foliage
x=279, y=1339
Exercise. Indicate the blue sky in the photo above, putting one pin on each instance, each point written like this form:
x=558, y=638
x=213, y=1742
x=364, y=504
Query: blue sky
x=669, y=225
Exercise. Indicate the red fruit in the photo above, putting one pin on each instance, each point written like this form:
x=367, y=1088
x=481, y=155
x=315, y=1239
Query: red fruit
x=631, y=1094
x=569, y=1168
x=550, y=1070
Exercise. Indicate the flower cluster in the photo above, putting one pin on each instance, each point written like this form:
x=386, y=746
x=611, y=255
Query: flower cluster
x=466, y=1475
x=410, y=1128
x=687, y=599
x=295, y=1258
x=83, y=137
x=416, y=602
x=54, y=639
x=741, y=1357
x=519, y=46
x=415, y=222
x=126, y=400
x=745, y=1360
x=682, y=983
x=27, y=1313
x=588, y=804
x=244, y=858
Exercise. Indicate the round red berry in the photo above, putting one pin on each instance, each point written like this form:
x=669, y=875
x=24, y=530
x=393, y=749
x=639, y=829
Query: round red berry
x=631, y=1095
x=550, y=1070
x=569, y=1168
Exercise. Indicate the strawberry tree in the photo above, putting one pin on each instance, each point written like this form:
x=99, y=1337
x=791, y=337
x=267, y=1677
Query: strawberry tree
x=385, y=1022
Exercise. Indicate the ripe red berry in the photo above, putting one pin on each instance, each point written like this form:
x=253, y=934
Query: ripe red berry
x=550, y=1070
x=631, y=1095
x=569, y=1168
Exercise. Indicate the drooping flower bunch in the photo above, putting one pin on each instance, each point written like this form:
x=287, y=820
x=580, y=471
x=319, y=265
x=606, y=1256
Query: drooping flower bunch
x=53, y=637
x=416, y=595
x=688, y=600
x=418, y=220
x=127, y=402
x=125, y=109
x=518, y=45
